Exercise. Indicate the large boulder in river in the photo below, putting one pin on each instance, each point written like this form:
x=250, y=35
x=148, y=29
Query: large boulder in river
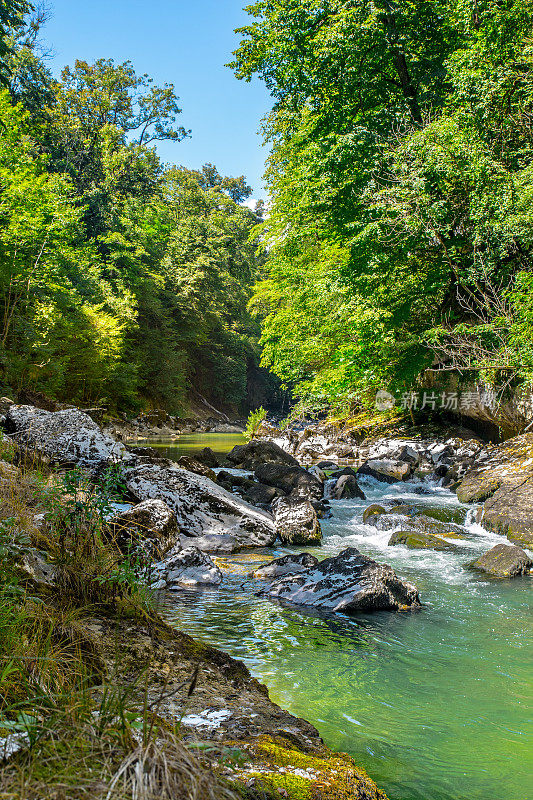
x=386, y=470
x=150, y=523
x=350, y=583
x=202, y=507
x=256, y=452
x=208, y=457
x=192, y=465
x=286, y=565
x=292, y=480
x=504, y=481
x=296, y=521
x=64, y=438
x=504, y=561
x=346, y=488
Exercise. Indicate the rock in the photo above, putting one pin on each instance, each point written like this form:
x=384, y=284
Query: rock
x=5, y=405
x=417, y=540
x=151, y=522
x=317, y=472
x=409, y=455
x=504, y=480
x=192, y=465
x=345, y=471
x=292, y=480
x=189, y=568
x=29, y=397
x=41, y=573
x=220, y=543
x=504, y=561
x=286, y=565
x=386, y=470
x=347, y=488
x=256, y=452
x=201, y=506
x=371, y=513
x=261, y=495
x=296, y=521
x=327, y=465
x=207, y=457
x=350, y=583
x=232, y=480
x=66, y=438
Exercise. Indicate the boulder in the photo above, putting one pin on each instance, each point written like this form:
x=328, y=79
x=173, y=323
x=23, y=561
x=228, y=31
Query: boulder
x=192, y=465
x=286, y=565
x=5, y=405
x=327, y=465
x=417, y=540
x=151, y=522
x=347, y=488
x=201, y=506
x=220, y=543
x=256, y=452
x=387, y=470
x=503, y=480
x=258, y=494
x=292, y=480
x=296, y=521
x=371, y=513
x=65, y=438
x=504, y=561
x=350, y=583
x=207, y=457
x=409, y=455
x=188, y=568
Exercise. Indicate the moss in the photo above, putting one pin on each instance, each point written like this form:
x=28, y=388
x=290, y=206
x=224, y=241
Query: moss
x=318, y=775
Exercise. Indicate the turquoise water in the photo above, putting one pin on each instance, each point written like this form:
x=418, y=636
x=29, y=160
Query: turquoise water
x=436, y=704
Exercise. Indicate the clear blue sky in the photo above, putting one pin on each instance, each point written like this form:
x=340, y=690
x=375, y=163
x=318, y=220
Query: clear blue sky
x=185, y=42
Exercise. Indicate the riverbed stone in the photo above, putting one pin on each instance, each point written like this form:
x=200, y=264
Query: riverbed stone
x=256, y=452
x=504, y=561
x=193, y=465
x=417, y=540
x=296, y=521
x=208, y=457
x=347, y=488
x=201, y=506
x=293, y=480
x=63, y=438
x=387, y=470
x=188, y=568
x=350, y=583
x=371, y=513
x=286, y=565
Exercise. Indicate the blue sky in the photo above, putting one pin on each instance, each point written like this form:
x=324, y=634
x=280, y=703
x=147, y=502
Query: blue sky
x=185, y=42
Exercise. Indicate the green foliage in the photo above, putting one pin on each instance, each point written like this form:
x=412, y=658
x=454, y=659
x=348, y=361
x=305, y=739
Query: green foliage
x=400, y=231
x=254, y=422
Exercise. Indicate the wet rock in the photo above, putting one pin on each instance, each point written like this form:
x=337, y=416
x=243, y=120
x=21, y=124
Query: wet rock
x=207, y=457
x=151, y=522
x=188, y=568
x=350, y=583
x=347, y=488
x=65, y=438
x=409, y=455
x=504, y=561
x=372, y=512
x=292, y=480
x=345, y=471
x=327, y=465
x=235, y=481
x=193, y=465
x=286, y=565
x=504, y=481
x=259, y=494
x=417, y=540
x=318, y=473
x=386, y=470
x=201, y=506
x=296, y=521
x=256, y=452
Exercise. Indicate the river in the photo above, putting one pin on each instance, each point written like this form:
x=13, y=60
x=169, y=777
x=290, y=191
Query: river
x=436, y=704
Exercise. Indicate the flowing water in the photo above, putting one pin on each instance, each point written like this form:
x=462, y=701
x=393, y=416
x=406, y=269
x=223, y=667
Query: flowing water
x=435, y=704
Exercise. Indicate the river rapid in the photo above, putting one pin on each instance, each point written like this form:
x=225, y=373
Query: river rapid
x=434, y=704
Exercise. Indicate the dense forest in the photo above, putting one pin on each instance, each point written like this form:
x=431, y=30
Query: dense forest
x=122, y=280
x=401, y=177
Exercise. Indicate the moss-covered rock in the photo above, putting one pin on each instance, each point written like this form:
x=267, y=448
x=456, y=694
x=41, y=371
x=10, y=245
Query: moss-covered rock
x=417, y=540
x=504, y=561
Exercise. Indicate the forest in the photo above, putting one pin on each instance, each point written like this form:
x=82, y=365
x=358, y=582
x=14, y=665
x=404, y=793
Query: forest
x=397, y=239
x=123, y=280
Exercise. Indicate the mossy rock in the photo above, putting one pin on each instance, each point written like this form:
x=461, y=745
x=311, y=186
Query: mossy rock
x=417, y=540
x=374, y=510
x=279, y=769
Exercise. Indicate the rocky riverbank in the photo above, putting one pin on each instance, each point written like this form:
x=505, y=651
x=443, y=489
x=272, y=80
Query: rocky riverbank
x=182, y=516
